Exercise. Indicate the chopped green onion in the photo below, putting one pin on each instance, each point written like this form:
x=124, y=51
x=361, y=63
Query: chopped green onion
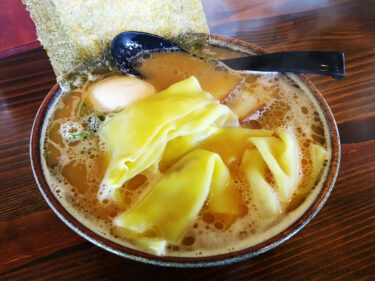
x=85, y=110
x=78, y=136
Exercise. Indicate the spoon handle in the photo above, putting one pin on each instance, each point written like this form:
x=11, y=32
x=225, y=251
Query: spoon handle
x=328, y=63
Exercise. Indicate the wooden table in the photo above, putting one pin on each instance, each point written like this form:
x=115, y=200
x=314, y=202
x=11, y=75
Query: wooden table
x=339, y=244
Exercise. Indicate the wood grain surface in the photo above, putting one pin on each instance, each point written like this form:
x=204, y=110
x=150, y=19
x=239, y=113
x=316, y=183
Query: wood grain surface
x=17, y=30
x=339, y=243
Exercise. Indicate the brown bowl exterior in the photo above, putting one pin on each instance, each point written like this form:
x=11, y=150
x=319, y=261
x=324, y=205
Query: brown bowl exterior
x=66, y=217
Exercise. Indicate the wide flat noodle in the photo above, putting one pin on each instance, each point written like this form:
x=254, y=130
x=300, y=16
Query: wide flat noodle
x=137, y=136
x=229, y=143
x=176, y=199
x=181, y=145
x=318, y=156
x=282, y=158
x=265, y=197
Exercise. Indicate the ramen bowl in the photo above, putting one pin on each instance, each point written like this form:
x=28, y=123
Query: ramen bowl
x=306, y=211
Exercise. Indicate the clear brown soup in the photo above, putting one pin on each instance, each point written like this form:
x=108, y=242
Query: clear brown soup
x=77, y=167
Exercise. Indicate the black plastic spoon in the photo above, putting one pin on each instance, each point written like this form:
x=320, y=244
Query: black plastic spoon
x=128, y=47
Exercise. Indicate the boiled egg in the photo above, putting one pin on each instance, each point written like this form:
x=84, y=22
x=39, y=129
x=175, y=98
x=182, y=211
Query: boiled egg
x=117, y=92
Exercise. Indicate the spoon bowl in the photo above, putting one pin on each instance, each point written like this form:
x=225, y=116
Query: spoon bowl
x=128, y=47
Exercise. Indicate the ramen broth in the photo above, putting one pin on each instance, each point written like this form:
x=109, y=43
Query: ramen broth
x=77, y=157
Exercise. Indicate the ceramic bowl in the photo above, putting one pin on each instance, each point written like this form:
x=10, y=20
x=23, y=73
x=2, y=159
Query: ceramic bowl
x=36, y=152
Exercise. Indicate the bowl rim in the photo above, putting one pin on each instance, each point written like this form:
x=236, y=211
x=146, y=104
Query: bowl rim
x=187, y=262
